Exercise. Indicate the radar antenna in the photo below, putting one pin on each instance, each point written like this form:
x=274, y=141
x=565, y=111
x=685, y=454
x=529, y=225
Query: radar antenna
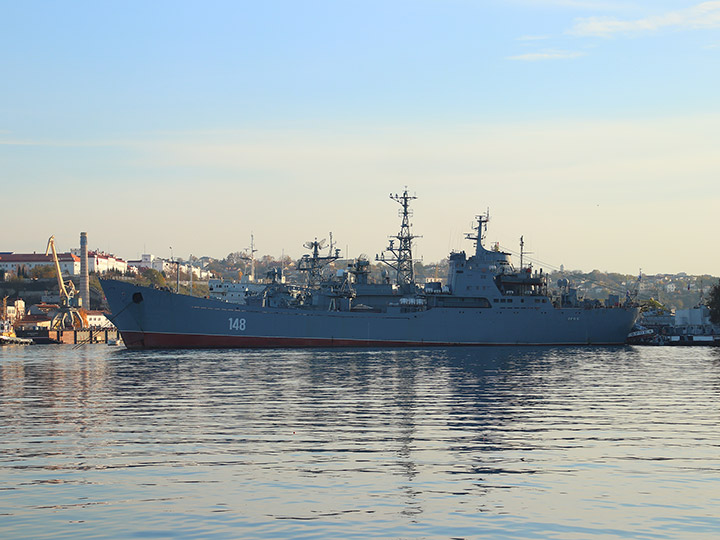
x=314, y=263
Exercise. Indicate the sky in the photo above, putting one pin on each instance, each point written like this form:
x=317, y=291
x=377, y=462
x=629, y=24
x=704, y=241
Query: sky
x=589, y=128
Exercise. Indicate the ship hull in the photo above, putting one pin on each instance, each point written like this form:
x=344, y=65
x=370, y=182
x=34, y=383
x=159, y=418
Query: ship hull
x=156, y=319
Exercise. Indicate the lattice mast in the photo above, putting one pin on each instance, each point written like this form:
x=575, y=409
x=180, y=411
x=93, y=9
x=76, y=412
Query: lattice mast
x=401, y=259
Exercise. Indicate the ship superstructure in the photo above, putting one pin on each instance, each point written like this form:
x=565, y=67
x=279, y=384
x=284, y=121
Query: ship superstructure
x=485, y=301
x=238, y=291
x=490, y=275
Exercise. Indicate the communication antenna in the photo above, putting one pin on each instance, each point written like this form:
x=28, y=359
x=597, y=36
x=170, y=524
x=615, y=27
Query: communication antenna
x=523, y=252
x=251, y=258
x=479, y=231
x=401, y=259
x=313, y=264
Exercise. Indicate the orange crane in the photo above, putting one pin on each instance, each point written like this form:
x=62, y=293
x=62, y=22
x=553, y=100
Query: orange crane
x=71, y=314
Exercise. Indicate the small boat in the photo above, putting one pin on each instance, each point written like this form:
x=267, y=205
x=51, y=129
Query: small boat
x=8, y=337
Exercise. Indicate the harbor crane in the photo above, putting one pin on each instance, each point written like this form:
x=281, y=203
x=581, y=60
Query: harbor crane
x=71, y=314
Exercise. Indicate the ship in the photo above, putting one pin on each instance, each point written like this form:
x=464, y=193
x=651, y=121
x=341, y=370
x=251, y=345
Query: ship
x=237, y=291
x=8, y=336
x=485, y=300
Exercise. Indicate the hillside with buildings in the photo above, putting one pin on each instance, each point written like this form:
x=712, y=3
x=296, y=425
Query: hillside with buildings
x=30, y=277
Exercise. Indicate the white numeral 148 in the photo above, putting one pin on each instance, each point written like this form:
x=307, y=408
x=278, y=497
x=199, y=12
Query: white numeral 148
x=237, y=324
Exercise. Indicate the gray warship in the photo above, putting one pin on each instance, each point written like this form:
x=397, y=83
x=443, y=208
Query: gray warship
x=485, y=300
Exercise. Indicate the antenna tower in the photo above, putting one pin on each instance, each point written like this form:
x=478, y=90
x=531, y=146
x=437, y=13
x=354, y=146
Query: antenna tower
x=401, y=259
x=314, y=264
x=481, y=228
x=251, y=258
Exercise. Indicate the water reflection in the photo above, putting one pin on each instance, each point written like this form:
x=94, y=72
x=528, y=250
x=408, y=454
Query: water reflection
x=451, y=442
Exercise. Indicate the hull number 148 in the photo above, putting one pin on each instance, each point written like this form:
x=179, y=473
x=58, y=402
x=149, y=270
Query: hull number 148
x=237, y=324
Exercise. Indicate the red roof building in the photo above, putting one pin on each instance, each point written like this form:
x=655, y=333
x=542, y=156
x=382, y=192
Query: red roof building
x=13, y=262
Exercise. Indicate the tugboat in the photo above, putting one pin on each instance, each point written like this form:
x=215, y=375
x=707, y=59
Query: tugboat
x=485, y=301
x=7, y=332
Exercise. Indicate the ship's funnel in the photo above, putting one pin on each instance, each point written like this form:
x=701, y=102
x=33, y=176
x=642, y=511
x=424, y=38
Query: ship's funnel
x=84, y=272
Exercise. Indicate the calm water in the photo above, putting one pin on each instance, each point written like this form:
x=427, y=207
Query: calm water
x=100, y=442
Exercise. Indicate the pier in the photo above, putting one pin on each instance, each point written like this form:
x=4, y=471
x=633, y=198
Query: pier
x=71, y=337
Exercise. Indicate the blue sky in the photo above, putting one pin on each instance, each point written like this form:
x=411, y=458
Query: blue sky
x=590, y=127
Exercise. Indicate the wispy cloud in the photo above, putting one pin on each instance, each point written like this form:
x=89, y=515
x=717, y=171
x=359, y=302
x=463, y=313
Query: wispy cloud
x=533, y=38
x=577, y=4
x=547, y=55
x=701, y=16
x=48, y=143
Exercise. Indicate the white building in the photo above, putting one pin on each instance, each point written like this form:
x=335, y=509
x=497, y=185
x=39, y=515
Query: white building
x=694, y=321
x=148, y=260
x=16, y=262
x=197, y=272
x=16, y=310
x=98, y=319
x=145, y=262
x=163, y=265
x=101, y=262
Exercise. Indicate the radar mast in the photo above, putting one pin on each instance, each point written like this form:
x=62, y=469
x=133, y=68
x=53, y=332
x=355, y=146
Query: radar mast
x=401, y=259
x=480, y=231
x=314, y=264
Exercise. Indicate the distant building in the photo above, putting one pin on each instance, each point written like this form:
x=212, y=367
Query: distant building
x=43, y=309
x=694, y=321
x=197, y=272
x=16, y=310
x=102, y=263
x=98, y=319
x=33, y=322
x=163, y=265
x=17, y=262
x=145, y=262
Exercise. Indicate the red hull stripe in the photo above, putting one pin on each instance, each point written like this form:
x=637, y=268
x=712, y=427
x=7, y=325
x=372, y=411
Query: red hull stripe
x=150, y=340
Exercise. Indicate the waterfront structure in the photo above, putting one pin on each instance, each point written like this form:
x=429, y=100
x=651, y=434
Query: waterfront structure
x=693, y=327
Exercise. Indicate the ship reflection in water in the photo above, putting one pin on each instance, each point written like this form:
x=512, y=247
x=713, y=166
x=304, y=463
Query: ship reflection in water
x=469, y=442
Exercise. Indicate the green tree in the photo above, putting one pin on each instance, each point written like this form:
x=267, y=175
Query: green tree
x=44, y=271
x=154, y=277
x=714, y=304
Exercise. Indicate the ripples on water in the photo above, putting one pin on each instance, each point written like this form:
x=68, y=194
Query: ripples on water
x=445, y=443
